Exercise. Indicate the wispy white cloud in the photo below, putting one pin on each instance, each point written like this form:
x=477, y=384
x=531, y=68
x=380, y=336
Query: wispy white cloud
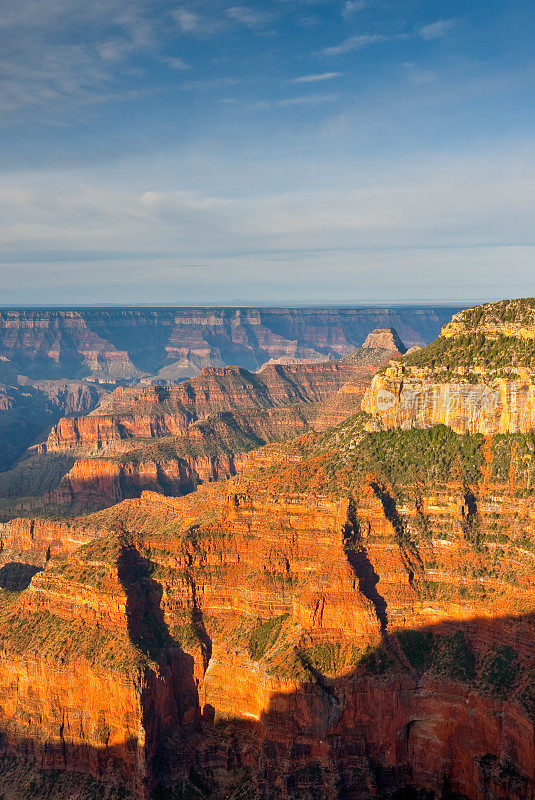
x=214, y=83
x=352, y=43
x=62, y=53
x=395, y=225
x=351, y=6
x=175, y=62
x=436, y=30
x=187, y=20
x=323, y=76
x=250, y=17
x=200, y=21
x=304, y=101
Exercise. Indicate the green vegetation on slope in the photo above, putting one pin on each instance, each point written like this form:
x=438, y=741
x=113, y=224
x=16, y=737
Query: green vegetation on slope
x=337, y=461
x=520, y=311
x=478, y=351
x=471, y=355
x=264, y=636
x=64, y=640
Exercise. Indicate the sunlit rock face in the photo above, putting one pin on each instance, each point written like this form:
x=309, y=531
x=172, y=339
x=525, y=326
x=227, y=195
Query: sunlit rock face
x=350, y=618
x=477, y=377
x=399, y=399
x=276, y=637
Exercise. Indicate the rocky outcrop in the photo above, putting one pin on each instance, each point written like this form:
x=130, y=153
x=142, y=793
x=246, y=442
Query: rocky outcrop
x=96, y=482
x=35, y=541
x=477, y=377
x=499, y=406
x=384, y=339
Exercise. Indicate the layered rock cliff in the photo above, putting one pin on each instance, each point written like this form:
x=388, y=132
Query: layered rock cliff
x=125, y=343
x=477, y=377
x=158, y=411
x=351, y=618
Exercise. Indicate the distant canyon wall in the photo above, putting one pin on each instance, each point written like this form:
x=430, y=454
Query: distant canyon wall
x=128, y=343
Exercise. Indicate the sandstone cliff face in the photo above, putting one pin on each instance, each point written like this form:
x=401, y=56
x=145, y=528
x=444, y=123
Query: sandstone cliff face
x=36, y=540
x=49, y=344
x=478, y=377
x=94, y=482
x=498, y=406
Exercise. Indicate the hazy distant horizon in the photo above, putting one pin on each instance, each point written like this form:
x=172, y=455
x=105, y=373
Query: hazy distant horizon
x=439, y=303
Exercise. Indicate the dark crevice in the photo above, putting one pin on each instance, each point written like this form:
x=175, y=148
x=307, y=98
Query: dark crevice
x=410, y=555
x=173, y=682
x=146, y=625
x=320, y=679
x=197, y=623
x=390, y=509
x=163, y=481
x=470, y=517
x=361, y=565
x=470, y=503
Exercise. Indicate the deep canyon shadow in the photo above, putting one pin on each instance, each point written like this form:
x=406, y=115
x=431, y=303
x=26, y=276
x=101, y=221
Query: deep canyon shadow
x=375, y=733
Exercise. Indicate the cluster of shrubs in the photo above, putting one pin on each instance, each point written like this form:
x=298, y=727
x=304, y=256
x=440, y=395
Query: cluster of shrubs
x=520, y=312
x=497, y=356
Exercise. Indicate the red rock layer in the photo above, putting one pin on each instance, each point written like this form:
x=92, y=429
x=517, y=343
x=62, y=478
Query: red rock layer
x=349, y=579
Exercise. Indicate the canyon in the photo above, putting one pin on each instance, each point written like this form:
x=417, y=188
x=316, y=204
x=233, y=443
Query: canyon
x=48, y=353
x=348, y=615
x=275, y=636
x=125, y=344
x=171, y=438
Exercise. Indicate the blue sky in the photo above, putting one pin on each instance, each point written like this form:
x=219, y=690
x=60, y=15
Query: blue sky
x=290, y=151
